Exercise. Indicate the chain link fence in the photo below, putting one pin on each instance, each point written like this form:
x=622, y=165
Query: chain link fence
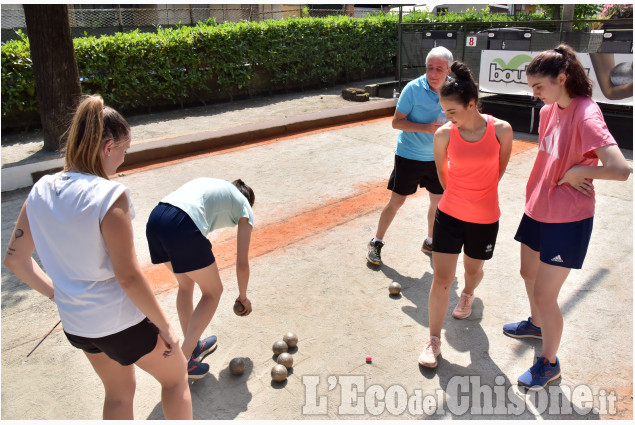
x=96, y=22
x=108, y=21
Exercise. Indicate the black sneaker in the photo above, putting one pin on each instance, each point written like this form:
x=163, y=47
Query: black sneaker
x=374, y=252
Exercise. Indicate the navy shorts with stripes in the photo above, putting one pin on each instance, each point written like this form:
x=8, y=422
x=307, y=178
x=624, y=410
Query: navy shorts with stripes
x=559, y=244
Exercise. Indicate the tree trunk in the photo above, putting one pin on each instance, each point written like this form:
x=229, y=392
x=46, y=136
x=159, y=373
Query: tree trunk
x=55, y=68
x=567, y=15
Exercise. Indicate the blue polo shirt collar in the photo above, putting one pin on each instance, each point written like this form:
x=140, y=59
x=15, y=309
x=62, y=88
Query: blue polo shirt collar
x=424, y=82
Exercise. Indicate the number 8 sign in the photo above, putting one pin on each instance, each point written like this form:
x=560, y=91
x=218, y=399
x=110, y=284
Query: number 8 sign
x=470, y=41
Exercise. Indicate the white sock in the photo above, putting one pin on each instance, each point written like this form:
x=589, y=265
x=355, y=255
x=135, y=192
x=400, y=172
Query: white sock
x=429, y=240
x=377, y=240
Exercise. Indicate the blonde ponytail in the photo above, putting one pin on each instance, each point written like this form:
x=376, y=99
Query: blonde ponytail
x=92, y=124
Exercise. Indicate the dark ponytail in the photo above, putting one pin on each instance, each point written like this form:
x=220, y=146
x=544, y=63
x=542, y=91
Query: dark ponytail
x=462, y=86
x=245, y=190
x=563, y=60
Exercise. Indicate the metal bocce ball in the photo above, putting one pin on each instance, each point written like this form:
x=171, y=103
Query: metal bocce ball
x=394, y=288
x=291, y=339
x=279, y=373
x=621, y=74
x=238, y=308
x=286, y=360
x=237, y=366
x=280, y=347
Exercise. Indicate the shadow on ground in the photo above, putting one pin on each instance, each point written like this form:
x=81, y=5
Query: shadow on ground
x=481, y=390
x=222, y=397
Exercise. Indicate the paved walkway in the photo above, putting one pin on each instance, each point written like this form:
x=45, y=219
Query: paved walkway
x=22, y=148
x=174, y=134
x=318, y=199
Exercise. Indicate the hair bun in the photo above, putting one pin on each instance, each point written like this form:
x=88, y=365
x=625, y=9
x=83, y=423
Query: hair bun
x=564, y=50
x=461, y=71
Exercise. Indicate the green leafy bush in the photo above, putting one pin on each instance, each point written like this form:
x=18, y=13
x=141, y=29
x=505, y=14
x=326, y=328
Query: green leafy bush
x=196, y=64
x=18, y=81
x=471, y=19
x=210, y=61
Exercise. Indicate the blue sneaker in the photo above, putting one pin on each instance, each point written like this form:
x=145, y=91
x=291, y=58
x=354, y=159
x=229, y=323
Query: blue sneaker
x=524, y=329
x=196, y=370
x=204, y=347
x=540, y=374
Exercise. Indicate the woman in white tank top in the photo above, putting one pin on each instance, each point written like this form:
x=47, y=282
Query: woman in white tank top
x=106, y=305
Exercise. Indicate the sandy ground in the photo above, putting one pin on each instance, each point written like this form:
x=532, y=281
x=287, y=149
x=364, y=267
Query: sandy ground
x=318, y=199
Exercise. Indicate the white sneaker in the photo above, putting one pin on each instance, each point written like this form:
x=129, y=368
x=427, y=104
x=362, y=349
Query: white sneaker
x=463, y=308
x=431, y=351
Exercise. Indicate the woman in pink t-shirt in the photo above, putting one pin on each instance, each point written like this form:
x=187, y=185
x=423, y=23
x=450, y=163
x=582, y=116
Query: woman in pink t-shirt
x=560, y=202
x=471, y=153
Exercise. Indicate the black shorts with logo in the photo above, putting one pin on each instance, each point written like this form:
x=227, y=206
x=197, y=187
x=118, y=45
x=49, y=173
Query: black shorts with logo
x=451, y=234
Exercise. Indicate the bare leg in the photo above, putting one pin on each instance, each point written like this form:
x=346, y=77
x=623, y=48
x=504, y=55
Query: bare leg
x=388, y=214
x=119, y=382
x=184, y=298
x=546, y=289
x=211, y=287
x=473, y=273
x=529, y=263
x=432, y=210
x=444, y=266
x=171, y=372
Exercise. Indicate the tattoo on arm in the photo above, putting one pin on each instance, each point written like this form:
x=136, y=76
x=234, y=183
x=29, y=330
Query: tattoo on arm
x=18, y=234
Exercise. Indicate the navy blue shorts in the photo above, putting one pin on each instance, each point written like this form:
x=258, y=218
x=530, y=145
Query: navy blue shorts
x=173, y=236
x=409, y=173
x=125, y=347
x=559, y=244
x=451, y=234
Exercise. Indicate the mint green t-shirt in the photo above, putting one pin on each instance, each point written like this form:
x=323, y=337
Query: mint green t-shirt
x=211, y=203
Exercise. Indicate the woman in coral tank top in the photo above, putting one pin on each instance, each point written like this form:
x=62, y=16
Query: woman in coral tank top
x=471, y=153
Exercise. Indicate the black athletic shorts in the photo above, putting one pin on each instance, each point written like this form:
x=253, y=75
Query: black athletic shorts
x=124, y=347
x=407, y=174
x=451, y=234
x=173, y=236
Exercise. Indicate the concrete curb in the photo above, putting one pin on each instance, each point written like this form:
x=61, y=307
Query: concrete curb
x=21, y=176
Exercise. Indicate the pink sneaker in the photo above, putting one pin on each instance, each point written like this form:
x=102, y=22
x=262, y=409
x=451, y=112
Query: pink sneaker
x=463, y=308
x=431, y=351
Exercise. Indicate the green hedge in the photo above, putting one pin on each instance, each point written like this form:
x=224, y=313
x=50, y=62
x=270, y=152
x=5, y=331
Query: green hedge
x=187, y=65
x=195, y=64
x=17, y=81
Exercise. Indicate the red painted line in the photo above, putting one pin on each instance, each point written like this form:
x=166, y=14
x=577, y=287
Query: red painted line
x=301, y=226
